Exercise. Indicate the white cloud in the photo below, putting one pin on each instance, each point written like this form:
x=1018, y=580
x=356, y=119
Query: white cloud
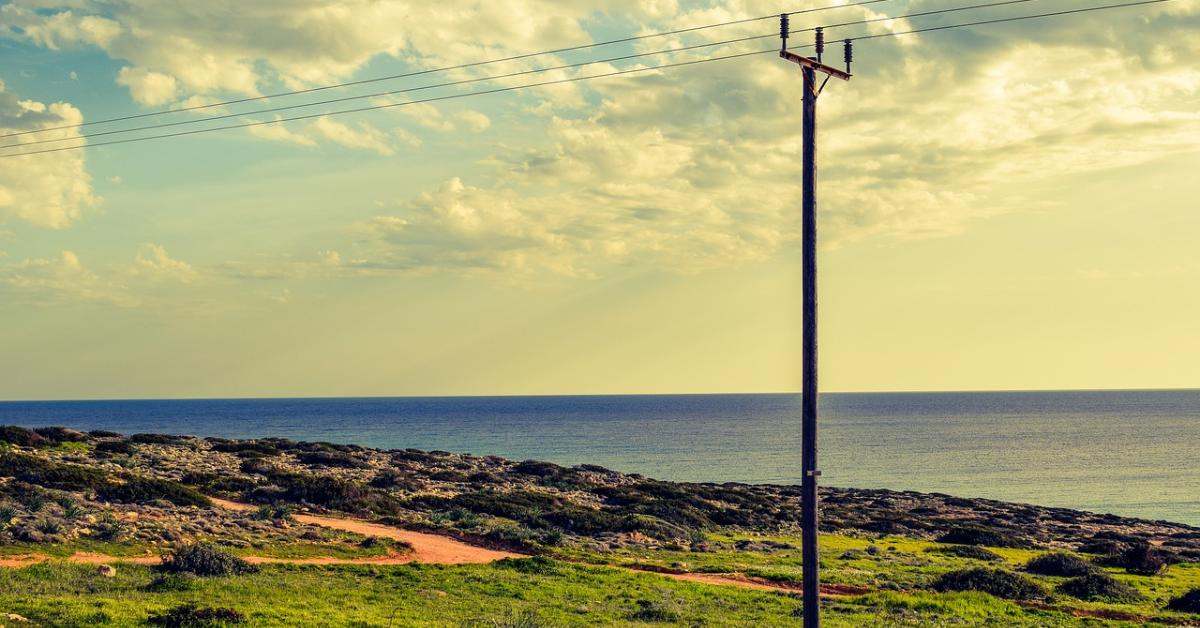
x=362, y=135
x=280, y=133
x=474, y=120
x=154, y=262
x=51, y=189
x=147, y=87
x=64, y=278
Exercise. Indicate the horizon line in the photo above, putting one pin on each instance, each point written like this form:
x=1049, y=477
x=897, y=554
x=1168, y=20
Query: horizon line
x=552, y=395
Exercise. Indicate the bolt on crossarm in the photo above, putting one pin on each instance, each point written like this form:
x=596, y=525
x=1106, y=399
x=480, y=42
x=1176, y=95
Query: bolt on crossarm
x=809, y=67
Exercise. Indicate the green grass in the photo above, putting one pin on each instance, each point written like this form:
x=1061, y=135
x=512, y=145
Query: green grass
x=559, y=593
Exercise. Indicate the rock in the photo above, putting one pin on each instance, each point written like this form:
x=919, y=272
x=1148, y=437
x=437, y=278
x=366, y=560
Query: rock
x=15, y=618
x=108, y=571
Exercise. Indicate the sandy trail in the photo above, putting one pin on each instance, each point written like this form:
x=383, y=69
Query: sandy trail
x=426, y=548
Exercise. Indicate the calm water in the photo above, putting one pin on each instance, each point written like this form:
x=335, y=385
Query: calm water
x=1131, y=453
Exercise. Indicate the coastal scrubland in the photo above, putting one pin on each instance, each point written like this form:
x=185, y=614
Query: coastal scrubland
x=100, y=528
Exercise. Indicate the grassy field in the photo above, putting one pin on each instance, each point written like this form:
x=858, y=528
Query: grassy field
x=560, y=593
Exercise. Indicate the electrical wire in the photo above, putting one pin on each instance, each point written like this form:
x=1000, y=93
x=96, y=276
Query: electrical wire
x=502, y=76
x=583, y=78
x=442, y=69
x=390, y=105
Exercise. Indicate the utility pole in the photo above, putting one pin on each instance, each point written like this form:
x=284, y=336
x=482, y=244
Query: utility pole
x=809, y=67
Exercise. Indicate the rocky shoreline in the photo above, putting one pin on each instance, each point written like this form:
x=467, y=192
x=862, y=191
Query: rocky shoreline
x=59, y=485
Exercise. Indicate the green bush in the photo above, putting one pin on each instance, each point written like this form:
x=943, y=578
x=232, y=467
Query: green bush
x=203, y=559
x=192, y=616
x=1099, y=586
x=15, y=435
x=158, y=439
x=116, y=447
x=331, y=459
x=654, y=611
x=1187, y=603
x=1002, y=584
x=34, y=470
x=140, y=490
x=1059, y=564
x=967, y=551
x=538, y=565
x=1142, y=559
x=979, y=535
x=61, y=434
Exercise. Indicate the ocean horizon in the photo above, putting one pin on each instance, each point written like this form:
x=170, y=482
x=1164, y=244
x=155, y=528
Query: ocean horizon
x=1126, y=452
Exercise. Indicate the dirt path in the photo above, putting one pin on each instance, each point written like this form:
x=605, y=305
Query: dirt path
x=427, y=548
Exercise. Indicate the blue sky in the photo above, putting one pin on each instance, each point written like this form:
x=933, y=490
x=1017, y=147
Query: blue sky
x=1004, y=207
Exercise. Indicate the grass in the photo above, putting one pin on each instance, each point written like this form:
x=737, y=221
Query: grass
x=573, y=595
x=546, y=592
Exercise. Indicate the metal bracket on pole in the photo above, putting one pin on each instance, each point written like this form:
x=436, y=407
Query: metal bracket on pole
x=814, y=64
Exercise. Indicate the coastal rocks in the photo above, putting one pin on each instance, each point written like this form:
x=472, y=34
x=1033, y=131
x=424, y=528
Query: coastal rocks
x=517, y=504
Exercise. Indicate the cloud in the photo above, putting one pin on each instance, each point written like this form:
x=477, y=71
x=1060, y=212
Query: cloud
x=474, y=120
x=63, y=278
x=699, y=167
x=281, y=133
x=228, y=46
x=147, y=87
x=362, y=135
x=47, y=190
x=153, y=261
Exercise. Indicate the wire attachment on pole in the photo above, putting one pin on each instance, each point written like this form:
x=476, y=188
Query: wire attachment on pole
x=849, y=53
x=783, y=31
x=820, y=42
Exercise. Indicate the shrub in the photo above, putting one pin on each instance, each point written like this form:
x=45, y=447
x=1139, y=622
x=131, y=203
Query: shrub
x=967, y=551
x=116, y=447
x=192, y=616
x=158, y=439
x=241, y=446
x=140, y=490
x=1141, y=559
x=15, y=435
x=331, y=459
x=1059, y=564
x=1187, y=603
x=60, y=434
x=171, y=583
x=979, y=535
x=1002, y=584
x=1099, y=586
x=109, y=528
x=34, y=470
x=654, y=610
x=104, y=434
x=203, y=559
x=7, y=514
x=49, y=526
x=539, y=565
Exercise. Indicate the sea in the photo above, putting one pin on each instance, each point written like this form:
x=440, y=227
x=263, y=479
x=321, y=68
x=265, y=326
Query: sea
x=1132, y=453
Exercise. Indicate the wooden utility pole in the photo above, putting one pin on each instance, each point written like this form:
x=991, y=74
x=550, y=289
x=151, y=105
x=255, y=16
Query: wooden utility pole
x=808, y=457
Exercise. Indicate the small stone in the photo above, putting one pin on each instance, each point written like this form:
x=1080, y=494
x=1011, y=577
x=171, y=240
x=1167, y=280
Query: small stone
x=13, y=617
x=108, y=571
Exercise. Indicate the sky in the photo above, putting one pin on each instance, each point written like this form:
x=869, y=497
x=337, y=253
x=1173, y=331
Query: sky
x=1011, y=206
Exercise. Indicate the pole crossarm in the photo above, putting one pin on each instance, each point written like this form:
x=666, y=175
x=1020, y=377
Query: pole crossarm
x=814, y=64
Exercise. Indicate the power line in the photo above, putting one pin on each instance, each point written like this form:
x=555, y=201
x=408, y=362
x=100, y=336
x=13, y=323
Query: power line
x=578, y=78
x=496, y=77
x=910, y=15
x=1018, y=18
x=392, y=92
x=385, y=106
x=442, y=69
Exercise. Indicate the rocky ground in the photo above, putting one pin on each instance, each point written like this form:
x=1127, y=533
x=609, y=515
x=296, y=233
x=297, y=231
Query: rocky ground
x=58, y=485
